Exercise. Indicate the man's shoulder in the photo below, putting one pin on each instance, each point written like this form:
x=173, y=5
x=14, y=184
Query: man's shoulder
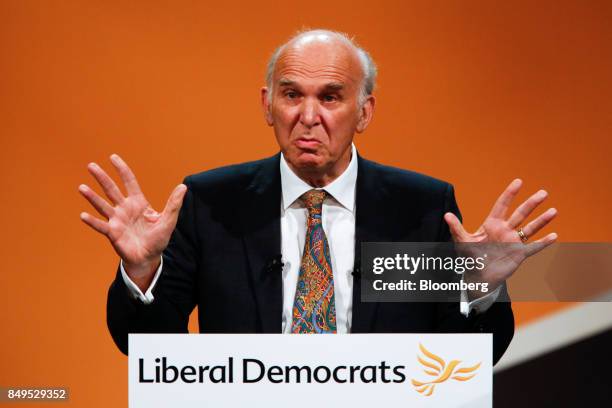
x=397, y=179
x=234, y=177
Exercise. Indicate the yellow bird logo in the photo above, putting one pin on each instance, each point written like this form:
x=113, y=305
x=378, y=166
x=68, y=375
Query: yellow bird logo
x=437, y=367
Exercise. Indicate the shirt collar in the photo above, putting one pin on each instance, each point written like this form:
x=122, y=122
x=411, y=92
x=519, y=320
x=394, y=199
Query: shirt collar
x=342, y=189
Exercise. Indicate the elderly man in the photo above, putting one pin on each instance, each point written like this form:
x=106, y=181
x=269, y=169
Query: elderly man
x=272, y=246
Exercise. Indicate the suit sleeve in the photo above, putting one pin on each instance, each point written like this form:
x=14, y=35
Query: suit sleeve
x=497, y=319
x=174, y=293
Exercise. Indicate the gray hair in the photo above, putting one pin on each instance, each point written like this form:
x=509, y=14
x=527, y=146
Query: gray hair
x=367, y=63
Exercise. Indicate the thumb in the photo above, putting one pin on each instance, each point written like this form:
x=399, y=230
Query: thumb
x=456, y=228
x=173, y=205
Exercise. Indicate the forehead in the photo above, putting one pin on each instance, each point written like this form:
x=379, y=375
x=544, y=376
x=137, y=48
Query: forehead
x=318, y=58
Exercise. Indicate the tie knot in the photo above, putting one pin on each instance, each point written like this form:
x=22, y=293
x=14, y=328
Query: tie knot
x=314, y=199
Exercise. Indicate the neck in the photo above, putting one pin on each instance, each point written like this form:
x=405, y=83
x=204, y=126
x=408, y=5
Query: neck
x=317, y=177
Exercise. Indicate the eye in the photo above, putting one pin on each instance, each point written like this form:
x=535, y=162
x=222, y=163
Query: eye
x=291, y=94
x=329, y=98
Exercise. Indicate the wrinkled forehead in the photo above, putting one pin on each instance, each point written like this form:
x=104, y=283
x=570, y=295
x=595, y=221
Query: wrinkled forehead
x=319, y=57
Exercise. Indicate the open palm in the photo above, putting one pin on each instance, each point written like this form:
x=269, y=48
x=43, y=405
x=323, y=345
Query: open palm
x=136, y=231
x=497, y=237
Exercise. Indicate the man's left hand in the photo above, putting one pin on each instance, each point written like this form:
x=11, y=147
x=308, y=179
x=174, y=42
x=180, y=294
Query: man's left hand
x=503, y=260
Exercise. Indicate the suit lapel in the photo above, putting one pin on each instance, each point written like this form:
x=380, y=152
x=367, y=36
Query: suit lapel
x=260, y=218
x=369, y=227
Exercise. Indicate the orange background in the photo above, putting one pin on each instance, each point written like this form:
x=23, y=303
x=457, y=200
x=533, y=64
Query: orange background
x=475, y=93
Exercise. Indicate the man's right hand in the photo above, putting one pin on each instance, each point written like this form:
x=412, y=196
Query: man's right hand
x=137, y=232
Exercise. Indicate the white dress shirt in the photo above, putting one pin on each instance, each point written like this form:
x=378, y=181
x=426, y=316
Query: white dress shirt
x=338, y=218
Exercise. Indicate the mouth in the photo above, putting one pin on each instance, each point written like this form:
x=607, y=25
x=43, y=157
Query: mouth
x=307, y=143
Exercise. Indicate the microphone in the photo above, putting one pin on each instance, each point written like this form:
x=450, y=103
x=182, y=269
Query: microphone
x=357, y=273
x=275, y=264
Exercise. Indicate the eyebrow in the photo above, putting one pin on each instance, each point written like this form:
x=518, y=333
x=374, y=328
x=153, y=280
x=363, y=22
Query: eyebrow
x=286, y=82
x=333, y=86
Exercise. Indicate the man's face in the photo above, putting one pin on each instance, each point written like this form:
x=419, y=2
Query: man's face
x=314, y=105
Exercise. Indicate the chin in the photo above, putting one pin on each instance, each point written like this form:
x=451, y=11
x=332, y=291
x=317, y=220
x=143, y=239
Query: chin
x=308, y=161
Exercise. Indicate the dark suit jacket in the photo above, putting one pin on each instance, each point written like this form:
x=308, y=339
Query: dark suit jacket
x=223, y=257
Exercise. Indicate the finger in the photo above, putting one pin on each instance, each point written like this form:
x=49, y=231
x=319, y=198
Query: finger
x=456, y=228
x=108, y=185
x=98, y=202
x=534, y=226
x=98, y=225
x=536, y=246
x=127, y=176
x=505, y=199
x=523, y=211
x=170, y=212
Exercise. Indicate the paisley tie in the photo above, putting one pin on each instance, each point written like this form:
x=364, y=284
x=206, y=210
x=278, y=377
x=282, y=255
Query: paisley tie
x=314, y=308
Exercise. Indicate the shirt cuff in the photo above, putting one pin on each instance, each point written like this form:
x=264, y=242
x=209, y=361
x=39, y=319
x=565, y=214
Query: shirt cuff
x=134, y=290
x=480, y=305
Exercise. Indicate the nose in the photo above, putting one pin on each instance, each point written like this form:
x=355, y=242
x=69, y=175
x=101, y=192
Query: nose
x=309, y=114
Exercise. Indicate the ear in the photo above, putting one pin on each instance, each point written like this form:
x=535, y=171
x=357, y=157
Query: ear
x=366, y=113
x=265, y=104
